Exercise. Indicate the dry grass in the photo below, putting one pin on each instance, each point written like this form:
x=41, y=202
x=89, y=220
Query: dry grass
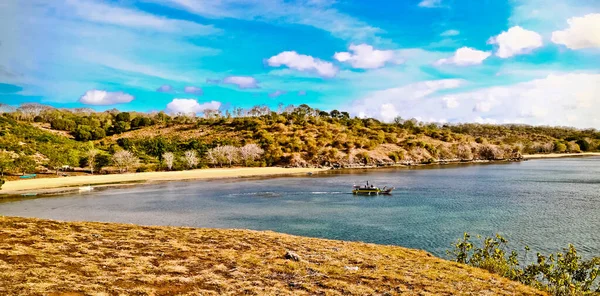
x=42, y=257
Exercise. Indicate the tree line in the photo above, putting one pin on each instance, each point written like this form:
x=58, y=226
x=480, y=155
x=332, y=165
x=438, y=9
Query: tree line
x=35, y=135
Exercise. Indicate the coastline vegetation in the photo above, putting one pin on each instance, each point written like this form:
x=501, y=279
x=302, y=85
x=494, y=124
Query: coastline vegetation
x=37, y=138
x=561, y=274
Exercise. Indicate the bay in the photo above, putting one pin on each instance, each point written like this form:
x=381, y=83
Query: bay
x=545, y=204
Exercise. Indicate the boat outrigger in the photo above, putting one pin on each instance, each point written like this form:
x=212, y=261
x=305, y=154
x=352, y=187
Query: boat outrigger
x=371, y=190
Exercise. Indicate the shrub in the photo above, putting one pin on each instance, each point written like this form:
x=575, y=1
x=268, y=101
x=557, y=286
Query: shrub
x=563, y=273
x=583, y=145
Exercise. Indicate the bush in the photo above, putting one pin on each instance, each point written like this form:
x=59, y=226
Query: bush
x=583, y=145
x=2, y=183
x=563, y=273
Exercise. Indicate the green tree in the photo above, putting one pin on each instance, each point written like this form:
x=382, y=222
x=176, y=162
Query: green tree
x=6, y=163
x=83, y=133
x=25, y=163
x=560, y=147
x=123, y=116
x=583, y=145
x=120, y=127
x=102, y=160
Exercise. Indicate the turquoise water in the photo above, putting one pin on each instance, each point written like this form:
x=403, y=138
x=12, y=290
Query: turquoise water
x=545, y=204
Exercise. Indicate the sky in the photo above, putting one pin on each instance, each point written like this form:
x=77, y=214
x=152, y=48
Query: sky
x=489, y=61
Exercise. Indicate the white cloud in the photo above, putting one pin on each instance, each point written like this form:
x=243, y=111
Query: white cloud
x=544, y=17
x=241, y=81
x=482, y=120
x=516, y=41
x=300, y=62
x=364, y=56
x=583, y=32
x=483, y=106
x=388, y=112
x=567, y=99
x=465, y=56
x=190, y=106
x=322, y=15
x=430, y=3
x=384, y=104
x=119, y=63
x=114, y=15
x=450, y=102
x=103, y=98
x=449, y=33
x=192, y=90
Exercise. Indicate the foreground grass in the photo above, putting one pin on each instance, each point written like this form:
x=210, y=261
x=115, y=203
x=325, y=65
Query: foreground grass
x=87, y=258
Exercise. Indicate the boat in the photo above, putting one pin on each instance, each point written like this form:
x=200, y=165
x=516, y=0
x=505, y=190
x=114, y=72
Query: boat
x=371, y=190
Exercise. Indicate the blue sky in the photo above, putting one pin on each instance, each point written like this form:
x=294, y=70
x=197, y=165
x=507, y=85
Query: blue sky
x=496, y=61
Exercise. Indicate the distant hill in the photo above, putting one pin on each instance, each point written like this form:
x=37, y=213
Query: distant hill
x=292, y=136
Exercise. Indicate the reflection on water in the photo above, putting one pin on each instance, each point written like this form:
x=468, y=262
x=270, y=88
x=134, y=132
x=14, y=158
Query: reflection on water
x=545, y=204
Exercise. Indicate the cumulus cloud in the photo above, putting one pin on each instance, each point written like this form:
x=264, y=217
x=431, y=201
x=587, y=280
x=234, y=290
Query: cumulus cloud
x=165, y=88
x=516, y=41
x=303, y=63
x=450, y=102
x=465, y=56
x=241, y=81
x=430, y=3
x=190, y=106
x=482, y=120
x=450, y=33
x=193, y=90
x=277, y=93
x=388, y=112
x=103, y=98
x=385, y=104
x=583, y=32
x=364, y=56
x=483, y=106
x=571, y=99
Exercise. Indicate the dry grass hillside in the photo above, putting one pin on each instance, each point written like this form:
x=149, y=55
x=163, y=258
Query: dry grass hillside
x=297, y=137
x=42, y=257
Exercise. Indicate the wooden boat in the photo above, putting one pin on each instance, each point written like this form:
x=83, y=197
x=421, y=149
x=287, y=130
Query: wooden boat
x=371, y=190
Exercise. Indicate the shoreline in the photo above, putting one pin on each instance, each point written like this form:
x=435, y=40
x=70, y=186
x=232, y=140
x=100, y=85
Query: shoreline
x=57, y=186
x=48, y=186
x=559, y=155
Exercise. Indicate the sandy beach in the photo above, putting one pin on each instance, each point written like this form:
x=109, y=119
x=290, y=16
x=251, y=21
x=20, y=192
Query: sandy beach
x=48, y=185
x=559, y=155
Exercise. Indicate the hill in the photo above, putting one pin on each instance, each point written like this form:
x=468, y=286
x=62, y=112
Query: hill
x=66, y=258
x=294, y=136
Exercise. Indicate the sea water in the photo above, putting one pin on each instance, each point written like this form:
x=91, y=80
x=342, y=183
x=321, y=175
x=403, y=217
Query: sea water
x=545, y=204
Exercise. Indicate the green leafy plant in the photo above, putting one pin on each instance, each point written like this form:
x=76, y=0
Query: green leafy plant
x=563, y=273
